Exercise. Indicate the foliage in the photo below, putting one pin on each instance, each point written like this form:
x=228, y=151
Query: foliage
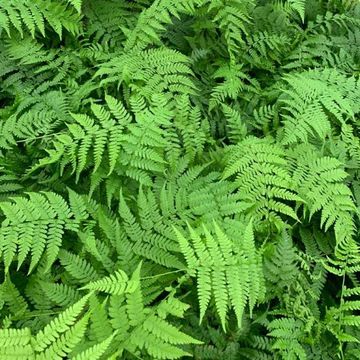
x=179, y=179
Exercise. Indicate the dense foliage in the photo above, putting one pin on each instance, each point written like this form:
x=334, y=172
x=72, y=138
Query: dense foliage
x=179, y=178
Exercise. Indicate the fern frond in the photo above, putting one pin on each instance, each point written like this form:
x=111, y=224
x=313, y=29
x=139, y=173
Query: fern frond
x=151, y=22
x=15, y=343
x=77, y=267
x=262, y=178
x=151, y=238
x=31, y=15
x=281, y=265
x=299, y=7
x=150, y=71
x=59, y=325
x=44, y=216
x=116, y=284
x=233, y=18
x=223, y=271
x=76, y=4
x=96, y=351
x=236, y=127
x=287, y=332
x=320, y=183
x=60, y=294
x=311, y=98
x=232, y=84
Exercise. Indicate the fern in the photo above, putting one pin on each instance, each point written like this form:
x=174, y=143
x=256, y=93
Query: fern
x=232, y=85
x=96, y=351
x=320, y=184
x=152, y=20
x=149, y=71
x=286, y=331
x=32, y=16
x=263, y=162
x=218, y=266
x=308, y=97
x=44, y=216
x=116, y=284
x=232, y=17
x=16, y=343
x=151, y=238
x=179, y=179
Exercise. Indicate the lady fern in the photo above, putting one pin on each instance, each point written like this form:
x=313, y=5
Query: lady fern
x=224, y=271
x=179, y=178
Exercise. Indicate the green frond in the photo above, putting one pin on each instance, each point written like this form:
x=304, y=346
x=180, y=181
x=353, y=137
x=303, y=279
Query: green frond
x=236, y=127
x=320, y=181
x=309, y=98
x=299, y=7
x=66, y=342
x=261, y=175
x=152, y=21
x=76, y=4
x=222, y=271
x=77, y=267
x=15, y=344
x=60, y=294
x=151, y=238
x=233, y=82
x=233, y=18
x=287, y=331
x=11, y=296
x=96, y=351
x=38, y=115
x=31, y=16
x=281, y=265
x=149, y=72
x=192, y=167
x=46, y=216
x=63, y=325
x=116, y=284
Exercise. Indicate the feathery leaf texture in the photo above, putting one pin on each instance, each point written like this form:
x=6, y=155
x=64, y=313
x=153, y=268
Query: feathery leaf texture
x=230, y=275
x=34, y=225
x=179, y=179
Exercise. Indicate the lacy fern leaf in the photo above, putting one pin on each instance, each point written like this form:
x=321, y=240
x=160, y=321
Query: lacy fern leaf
x=224, y=271
x=43, y=217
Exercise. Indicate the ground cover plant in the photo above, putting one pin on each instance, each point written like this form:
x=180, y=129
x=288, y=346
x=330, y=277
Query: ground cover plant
x=179, y=178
